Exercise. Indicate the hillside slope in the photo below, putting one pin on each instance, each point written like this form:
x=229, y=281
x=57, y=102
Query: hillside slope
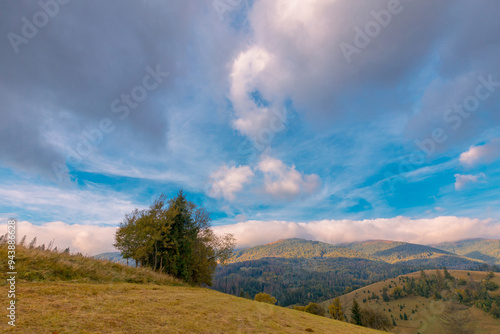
x=487, y=250
x=411, y=254
x=296, y=248
x=133, y=308
x=62, y=293
x=423, y=313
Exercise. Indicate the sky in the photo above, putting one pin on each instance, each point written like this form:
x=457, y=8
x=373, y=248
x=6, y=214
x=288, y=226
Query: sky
x=333, y=120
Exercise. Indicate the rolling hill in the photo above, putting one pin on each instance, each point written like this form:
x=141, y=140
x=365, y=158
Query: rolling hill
x=394, y=252
x=487, y=250
x=422, y=313
x=62, y=293
x=296, y=248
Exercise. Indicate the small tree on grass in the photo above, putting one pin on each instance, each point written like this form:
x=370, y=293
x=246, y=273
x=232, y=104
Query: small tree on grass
x=375, y=319
x=314, y=308
x=265, y=298
x=336, y=310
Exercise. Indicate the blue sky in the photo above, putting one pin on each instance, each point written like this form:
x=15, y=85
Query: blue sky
x=290, y=111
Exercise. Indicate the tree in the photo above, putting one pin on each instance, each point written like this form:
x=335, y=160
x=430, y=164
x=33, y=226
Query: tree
x=314, y=309
x=440, y=280
x=265, y=298
x=495, y=310
x=335, y=309
x=375, y=319
x=397, y=292
x=447, y=275
x=174, y=236
x=356, y=313
x=385, y=296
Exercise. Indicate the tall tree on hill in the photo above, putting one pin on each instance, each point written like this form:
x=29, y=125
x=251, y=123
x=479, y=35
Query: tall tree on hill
x=447, y=274
x=174, y=237
x=356, y=313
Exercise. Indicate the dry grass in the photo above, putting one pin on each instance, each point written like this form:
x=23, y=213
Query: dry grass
x=62, y=293
x=426, y=318
x=134, y=308
x=42, y=266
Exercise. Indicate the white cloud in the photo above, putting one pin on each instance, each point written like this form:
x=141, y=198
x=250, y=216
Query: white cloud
x=481, y=154
x=421, y=231
x=247, y=76
x=461, y=180
x=86, y=239
x=93, y=205
x=227, y=181
x=282, y=181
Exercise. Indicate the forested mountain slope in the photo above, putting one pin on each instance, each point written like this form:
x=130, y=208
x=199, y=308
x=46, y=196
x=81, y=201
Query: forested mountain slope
x=487, y=250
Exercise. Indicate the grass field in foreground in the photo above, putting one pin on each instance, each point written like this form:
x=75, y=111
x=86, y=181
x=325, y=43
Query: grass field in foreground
x=56, y=307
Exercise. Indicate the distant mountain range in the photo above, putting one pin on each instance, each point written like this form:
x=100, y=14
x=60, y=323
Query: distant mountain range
x=453, y=254
x=115, y=257
x=374, y=250
x=487, y=250
x=299, y=271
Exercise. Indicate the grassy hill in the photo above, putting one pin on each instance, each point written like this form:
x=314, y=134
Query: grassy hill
x=422, y=313
x=487, y=250
x=63, y=293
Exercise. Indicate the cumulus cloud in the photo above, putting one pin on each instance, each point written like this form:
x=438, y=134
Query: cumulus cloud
x=421, y=231
x=462, y=180
x=89, y=240
x=301, y=42
x=252, y=114
x=227, y=181
x=282, y=181
x=294, y=52
x=481, y=154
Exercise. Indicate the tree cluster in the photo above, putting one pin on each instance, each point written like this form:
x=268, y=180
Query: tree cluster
x=368, y=317
x=445, y=286
x=174, y=237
